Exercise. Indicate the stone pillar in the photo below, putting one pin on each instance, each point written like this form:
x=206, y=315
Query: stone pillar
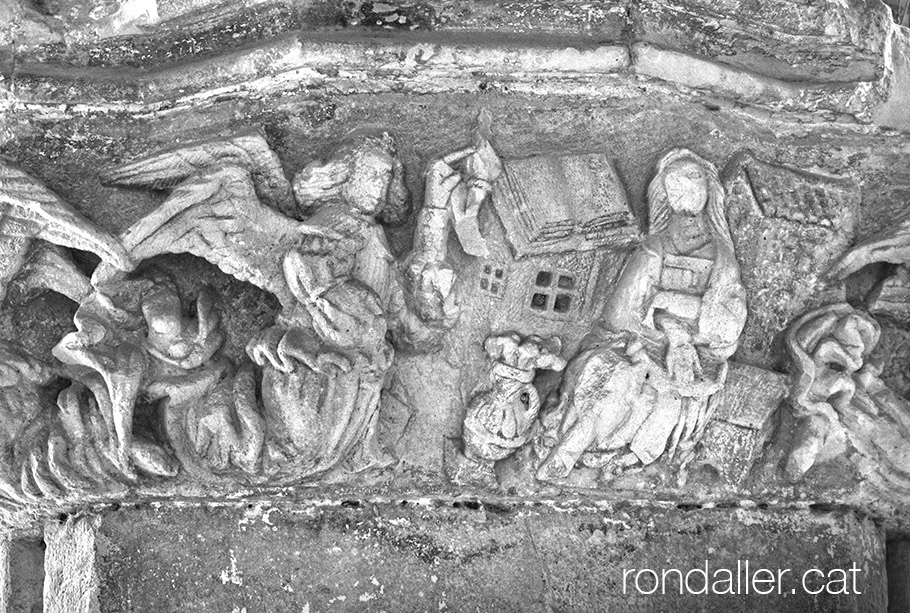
x=898, y=557
x=21, y=575
x=71, y=567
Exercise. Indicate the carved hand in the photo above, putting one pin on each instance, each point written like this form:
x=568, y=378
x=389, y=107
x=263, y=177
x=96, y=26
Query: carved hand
x=442, y=178
x=282, y=349
x=683, y=364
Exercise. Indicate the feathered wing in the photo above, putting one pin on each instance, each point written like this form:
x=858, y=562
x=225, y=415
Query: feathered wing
x=892, y=244
x=29, y=210
x=248, y=150
x=217, y=215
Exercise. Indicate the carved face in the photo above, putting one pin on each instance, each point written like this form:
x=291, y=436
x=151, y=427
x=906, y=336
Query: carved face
x=368, y=188
x=835, y=364
x=686, y=186
x=838, y=356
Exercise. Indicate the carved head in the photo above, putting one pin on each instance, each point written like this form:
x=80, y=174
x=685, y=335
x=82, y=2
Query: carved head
x=364, y=173
x=687, y=183
x=829, y=347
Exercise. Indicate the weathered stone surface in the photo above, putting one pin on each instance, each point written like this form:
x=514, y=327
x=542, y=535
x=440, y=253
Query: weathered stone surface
x=898, y=571
x=249, y=137
x=826, y=41
x=789, y=227
x=741, y=419
x=71, y=579
x=466, y=556
x=21, y=576
x=831, y=60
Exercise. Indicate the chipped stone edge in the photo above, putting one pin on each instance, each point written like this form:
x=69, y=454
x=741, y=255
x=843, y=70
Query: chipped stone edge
x=338, y=65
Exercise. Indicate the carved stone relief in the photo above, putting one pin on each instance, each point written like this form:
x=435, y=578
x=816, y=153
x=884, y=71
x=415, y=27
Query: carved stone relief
x=640, y=388
x=305, y=402
x=571, y=349
x=788, y=226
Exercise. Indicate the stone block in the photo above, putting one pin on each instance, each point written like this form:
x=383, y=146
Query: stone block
x=734, y=437
x=456, y=555
x=21, y=575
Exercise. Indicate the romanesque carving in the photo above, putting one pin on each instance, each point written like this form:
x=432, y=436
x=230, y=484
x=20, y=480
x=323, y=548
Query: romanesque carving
x=788, y=227
x=842, y=406
x=639, y=389
x=742, y=421
x=503, y=418
x=152, y=393
x=30, y=211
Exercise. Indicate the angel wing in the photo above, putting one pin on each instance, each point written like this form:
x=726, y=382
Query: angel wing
x=249, y=149
x=216, y=215
x=28, y=210
x=891, y=244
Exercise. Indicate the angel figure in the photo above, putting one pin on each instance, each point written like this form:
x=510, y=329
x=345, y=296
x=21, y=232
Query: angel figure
x=317, y=244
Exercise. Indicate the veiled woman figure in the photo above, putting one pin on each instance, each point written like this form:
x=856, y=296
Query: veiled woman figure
x=640, y=386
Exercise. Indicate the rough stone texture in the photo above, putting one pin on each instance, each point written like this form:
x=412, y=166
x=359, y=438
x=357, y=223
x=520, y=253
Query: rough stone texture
x=70, y=569
x=21, y=576
x=460, y=555
x=829, y=59
x=788, y=226
x=821, y=87
x=898, y=571
x=631, y=122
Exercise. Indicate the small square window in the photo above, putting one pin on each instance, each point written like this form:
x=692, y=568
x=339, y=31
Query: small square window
x=539, y=302
x=493, y=279
x=544, y=278
x=562, y=303
x=566, y=282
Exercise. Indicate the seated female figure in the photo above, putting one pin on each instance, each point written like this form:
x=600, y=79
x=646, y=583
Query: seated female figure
x=639, y=388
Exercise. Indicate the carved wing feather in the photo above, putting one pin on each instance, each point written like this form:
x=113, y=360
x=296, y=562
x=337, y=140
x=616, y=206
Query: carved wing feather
x=30, y=210
x=248, y=150
x=217, y=215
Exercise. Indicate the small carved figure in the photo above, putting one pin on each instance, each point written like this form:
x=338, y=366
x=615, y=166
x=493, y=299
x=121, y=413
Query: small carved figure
x=324, y=368
x=842, y=406
x=502, y=418
x=324, y=362
x=639, y=387
x=131, y=341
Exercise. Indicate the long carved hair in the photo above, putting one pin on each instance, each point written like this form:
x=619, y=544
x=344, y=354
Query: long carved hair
x=325, y=180
x=659, y=204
